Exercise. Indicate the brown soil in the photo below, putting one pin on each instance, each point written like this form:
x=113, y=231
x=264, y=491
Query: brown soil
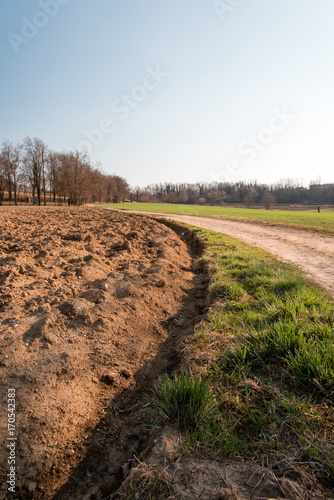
x=94, y=305
x=313, y=253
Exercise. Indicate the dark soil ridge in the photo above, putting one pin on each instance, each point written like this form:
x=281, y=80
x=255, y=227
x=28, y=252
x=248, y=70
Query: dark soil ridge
x=130, y=426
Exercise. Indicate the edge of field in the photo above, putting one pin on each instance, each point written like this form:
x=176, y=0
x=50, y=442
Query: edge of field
x=256, y=382
x=323, y=223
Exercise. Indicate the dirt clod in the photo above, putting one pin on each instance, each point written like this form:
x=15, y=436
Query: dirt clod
x=126, y=373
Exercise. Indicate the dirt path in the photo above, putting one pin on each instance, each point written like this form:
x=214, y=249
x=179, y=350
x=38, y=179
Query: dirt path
x=313, y=253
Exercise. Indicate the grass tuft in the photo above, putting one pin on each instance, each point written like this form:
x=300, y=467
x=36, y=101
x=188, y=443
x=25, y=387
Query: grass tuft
x=186, y=400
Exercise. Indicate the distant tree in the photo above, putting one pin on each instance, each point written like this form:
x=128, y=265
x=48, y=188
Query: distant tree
x=135, y=194
x=213, y=196
x=109, y=188
x=2, y=180
x=183, y=196
x=11, y=163
x=53, y=167
x=97, y=188
x=201, y=200
x=34, y=165
x=121, y=189
x=268, y=200
x=248, y=200
x=76, y=176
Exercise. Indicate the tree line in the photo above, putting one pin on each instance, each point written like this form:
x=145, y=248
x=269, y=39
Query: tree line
x=288, y=191
x=31, y=172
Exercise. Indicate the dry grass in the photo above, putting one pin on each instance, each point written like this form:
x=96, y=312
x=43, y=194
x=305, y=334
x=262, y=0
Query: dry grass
x=144, y=482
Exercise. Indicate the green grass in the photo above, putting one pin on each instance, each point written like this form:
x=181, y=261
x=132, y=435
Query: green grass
x=184, y=399
x=309, y=220
x=266, y=353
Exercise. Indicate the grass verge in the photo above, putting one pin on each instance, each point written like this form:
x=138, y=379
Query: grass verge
x=298, y=219
x=262, y=365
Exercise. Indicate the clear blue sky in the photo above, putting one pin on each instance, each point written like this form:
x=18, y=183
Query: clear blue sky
x=181, y=90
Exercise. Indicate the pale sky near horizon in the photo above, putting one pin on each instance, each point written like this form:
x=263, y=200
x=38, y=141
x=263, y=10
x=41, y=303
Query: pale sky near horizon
x=179, y=91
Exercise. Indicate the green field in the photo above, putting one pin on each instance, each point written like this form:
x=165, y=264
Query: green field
x=300, y=219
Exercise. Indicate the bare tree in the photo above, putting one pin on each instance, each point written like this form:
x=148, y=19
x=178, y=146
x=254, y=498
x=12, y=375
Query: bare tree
x=121, y=189
x=2, y=179
x=268, y=200
x=76, y=176
x=248, y=200
x=135, y=194
x=110, y=188
x=34, y=164
x=98, y=185
x=53, y=167
x=201, y=200
x=11, y=160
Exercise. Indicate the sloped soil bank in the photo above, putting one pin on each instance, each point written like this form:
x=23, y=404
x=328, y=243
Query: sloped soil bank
x=94, y=305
